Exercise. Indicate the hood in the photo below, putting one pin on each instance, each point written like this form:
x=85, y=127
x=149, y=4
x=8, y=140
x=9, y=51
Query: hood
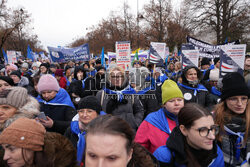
x=77, y=69
x=184, y=72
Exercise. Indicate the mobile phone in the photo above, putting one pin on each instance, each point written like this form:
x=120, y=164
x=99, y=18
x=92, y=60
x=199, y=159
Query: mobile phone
x=42, y=116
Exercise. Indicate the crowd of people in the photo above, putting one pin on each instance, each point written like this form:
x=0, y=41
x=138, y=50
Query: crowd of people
x=84, y=114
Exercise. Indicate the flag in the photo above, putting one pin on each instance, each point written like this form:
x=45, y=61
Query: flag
x=137, y=50
x=103, y=58
x=154, y=57
x=30, y=53
x=5, y=57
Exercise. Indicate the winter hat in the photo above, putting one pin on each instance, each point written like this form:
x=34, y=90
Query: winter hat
x=59, y=72
x=45, y=65
x=17, y=73
x=15, y=96
x=7, y=79
x=233, y=85
x=47, y=82
x=214, y=75
x=205, y=61
x=25, y=65
x=12, y=67
x=24, y=133
x=99, y=68
x=52, y=66
x=170, y=90
x=35, y=64
x=216, y=60
x=90, y=102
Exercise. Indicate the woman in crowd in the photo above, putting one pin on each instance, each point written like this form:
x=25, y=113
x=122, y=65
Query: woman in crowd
x=15, y=103
x=233, y=117
x=191, y=88
x=109, y=142
x=156, y=128
x=192, y=143
x=88, y=109
x=5, y=82
x=55, y=103
x=26, y=143
x=117, y=98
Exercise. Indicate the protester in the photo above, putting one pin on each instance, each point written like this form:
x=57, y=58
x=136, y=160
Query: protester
x=18, y=79
x=60, y=78
x=35, y=68
x=100, y=77
x=247, y=70
x=170, y=69
x=205, y=65
x=233, y=117
x=55, y=103
x=52, y=68
x=191, y=88
x=5, y=82
x=137, y=64
x=117, y=99
x=88, y=109
x=69, y=74
x=109, y=137
x=192, y=143
x=44, y=69
x=156, y=128
x=15, y=103
x=26, y=143
x=9, y=68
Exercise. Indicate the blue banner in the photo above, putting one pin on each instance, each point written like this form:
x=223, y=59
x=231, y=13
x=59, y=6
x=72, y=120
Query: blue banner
x=80, y=53
x=30, y=54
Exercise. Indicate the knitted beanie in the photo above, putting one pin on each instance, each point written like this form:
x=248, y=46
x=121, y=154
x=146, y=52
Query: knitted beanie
x=7, y=79
x=233, y=85
x=90, y=102
x=15, y=96
x=24, y=133
x=35, y=64
x=47, y=82
x=170, y=90
x=11, y=67
x=59, y=72
x=17, y=73
x=214, y=75
x=25, y=65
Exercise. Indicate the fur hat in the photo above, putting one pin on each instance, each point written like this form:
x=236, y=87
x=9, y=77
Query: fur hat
x=233, y=85
x=90, y=102
x=170, y=90
x=47, y=82
x=7, y=79
x=24, y=133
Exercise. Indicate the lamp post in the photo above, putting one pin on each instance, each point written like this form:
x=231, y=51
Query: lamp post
x=139, y=16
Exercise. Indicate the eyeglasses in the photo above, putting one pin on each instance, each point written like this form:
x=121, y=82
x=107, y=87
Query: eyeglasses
x=204, y=131
x=236, y=100
x=87, y=111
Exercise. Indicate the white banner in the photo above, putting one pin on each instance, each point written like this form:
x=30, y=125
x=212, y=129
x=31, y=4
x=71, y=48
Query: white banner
x=123, y=58
x=12, y=56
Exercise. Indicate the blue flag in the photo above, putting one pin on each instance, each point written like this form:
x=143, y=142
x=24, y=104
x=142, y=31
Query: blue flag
x=30, y=53
x=103, y=58
x=5, y=56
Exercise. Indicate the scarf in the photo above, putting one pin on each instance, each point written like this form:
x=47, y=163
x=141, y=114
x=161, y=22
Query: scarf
x=215, y=91
x=159, y=120
x=83, y=82
x=81, y=140
x=197, y=89
x=61, y=98
x=128, y=90
x=236, y=126
x=145, y=90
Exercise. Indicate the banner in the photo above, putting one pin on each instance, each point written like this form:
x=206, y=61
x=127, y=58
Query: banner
x=61, y=54
x=111, y=55
x=189, y=55
x=205, y=49
x=12, y=56
x=157, y=53
x=232, y=59
x=123, y=57
x=143, y=56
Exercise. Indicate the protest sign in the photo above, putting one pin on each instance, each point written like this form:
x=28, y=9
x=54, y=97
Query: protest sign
x=123, y=57
x=232, y=59
x=12, y=56
x=189, y=55
x=80, y=53
x=157, y=53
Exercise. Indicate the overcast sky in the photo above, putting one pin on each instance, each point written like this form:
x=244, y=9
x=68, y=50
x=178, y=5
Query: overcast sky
x=58, y=22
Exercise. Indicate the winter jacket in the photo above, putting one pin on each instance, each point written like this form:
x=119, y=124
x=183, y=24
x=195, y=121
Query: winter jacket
x=60, y=109
x=129, y=108
x=173, y=153
x=155, y=130
x=63, y=83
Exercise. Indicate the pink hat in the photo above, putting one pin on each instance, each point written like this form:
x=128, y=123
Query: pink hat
x=47, y=82
x=12, y=67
